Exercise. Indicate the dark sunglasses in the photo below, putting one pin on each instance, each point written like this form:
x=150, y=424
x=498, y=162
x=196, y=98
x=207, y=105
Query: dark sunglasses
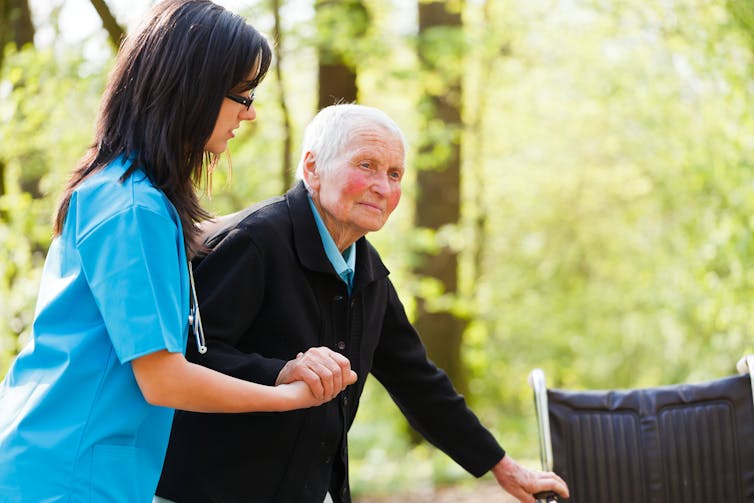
x=243, y=100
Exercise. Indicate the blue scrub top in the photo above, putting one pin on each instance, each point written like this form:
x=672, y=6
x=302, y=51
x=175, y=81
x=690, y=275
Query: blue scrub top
x=74, y=426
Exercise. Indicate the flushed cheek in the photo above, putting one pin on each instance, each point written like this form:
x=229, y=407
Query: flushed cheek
x=356, y=186
x=393, y=200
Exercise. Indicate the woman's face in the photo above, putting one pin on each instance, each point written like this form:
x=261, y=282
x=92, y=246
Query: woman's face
x=231, y=114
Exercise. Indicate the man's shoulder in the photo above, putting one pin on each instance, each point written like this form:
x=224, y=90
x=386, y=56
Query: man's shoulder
x=270, y=212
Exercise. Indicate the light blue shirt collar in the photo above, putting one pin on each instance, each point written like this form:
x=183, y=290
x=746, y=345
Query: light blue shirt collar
x=345, y=263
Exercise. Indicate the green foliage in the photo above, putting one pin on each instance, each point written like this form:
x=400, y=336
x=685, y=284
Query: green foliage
x=384, y=461
x=346, y=40
x=742, y=12
x=622, y=184
x=607, y=195
x=46, y=114
x=611, y=178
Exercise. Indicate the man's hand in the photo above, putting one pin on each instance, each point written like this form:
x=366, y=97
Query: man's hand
x=325, y=371
x=523, y=483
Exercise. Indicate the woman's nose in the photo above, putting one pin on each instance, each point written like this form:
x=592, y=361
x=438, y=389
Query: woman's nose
x=249, y=114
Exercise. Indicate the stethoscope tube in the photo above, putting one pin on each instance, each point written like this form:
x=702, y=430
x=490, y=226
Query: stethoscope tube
x=195, y=318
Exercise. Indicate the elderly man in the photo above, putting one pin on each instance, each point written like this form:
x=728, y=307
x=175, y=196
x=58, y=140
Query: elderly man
x=293, y=291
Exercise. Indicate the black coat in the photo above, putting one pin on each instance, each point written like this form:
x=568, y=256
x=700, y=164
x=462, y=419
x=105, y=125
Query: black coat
x=267, y=291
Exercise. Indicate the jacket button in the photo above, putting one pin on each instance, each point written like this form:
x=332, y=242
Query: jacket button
x=327, y=460
x=345, y=400
x=337, y=298
x=341, y=345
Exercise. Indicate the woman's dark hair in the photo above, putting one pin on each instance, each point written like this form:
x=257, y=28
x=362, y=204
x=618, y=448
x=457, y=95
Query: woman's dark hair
x=164, y=95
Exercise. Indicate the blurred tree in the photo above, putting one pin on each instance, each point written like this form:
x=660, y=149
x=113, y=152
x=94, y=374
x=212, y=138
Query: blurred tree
x=115, y=32
x=15, y=24
x=438, y=198
x=16, y=31
x=286, y=168
x=742, y=12
x=46, y=117
x=337, y=70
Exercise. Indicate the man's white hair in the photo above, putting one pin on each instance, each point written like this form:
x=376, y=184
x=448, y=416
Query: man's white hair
x=330, y=131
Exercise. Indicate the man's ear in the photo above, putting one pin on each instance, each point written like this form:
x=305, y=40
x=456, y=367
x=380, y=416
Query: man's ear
x=311, y=174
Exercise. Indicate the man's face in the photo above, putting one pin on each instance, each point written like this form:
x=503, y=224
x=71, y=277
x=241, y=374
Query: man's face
x=362, y=187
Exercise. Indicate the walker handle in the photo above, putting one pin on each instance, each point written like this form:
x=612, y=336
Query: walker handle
x=547, y=497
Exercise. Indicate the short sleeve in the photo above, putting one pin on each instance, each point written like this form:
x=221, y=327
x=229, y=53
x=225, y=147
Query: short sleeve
x=135, y=267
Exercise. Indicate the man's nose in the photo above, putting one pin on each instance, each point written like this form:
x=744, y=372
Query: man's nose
x=380, y=184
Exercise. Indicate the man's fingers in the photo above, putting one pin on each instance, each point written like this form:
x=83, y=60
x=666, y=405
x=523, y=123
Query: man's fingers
x=315, y=384
x=325, y=371
x=337, y=379
x=549, y=482
x=340, y=359
x=344, y=368
x=337, y=365
x=325, y=377
x=351, y=378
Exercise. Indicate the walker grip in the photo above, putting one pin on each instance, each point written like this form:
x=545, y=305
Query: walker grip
x=547, y=497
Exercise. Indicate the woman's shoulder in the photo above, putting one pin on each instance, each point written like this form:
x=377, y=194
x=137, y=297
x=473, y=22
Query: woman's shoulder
x=109, y=182
x=105, y=195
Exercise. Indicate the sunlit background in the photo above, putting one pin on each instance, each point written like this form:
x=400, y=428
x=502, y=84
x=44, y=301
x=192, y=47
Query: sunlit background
x=607, y=197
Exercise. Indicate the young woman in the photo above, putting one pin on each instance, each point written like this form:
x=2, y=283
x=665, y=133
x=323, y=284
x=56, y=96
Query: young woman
x=86, y=408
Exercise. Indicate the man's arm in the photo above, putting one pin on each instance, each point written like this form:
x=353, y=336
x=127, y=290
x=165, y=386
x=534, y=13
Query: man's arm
x=426, y=396
x=432, y=406
x=231, y=287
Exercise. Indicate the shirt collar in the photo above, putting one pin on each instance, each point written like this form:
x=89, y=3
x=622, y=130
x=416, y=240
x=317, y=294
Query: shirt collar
x=345, y=263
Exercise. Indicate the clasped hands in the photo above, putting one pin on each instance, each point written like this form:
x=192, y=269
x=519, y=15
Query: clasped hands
x=325, y=371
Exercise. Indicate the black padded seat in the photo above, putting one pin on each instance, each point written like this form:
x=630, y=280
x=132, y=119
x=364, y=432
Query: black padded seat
x=687, y=443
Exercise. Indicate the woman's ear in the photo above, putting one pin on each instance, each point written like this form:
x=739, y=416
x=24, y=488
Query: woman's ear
x=311, y=175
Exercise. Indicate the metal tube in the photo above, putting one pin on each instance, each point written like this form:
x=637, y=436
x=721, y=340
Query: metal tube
x=537, y=382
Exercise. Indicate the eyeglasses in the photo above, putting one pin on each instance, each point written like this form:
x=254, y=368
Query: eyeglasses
x=243, y=100
x=195, y=319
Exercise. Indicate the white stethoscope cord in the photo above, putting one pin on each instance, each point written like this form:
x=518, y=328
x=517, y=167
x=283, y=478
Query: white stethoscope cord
x=195, y=319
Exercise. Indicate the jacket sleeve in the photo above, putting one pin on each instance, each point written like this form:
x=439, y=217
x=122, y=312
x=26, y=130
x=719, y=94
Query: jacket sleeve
x=230, y=287
x=426, y=396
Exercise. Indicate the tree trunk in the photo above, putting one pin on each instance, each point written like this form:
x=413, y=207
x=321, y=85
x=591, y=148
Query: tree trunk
x=337, y=83
x=339, y=24
x=286, y=167
x=742, y=12
x=17, y=29
x=15, y=25
x=115, y=31
x=438, y=201
x=21, y=27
